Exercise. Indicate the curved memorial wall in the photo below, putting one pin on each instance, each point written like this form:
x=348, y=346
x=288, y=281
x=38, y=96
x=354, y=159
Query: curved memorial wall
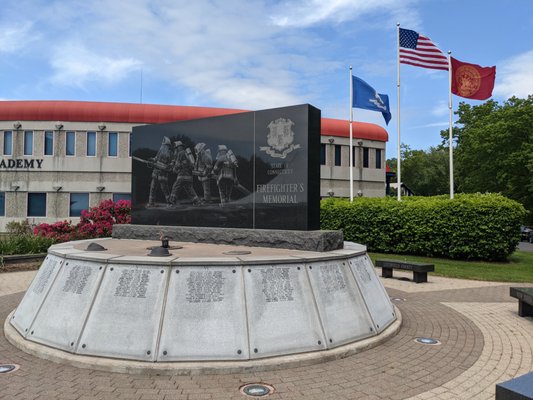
x=205, y=302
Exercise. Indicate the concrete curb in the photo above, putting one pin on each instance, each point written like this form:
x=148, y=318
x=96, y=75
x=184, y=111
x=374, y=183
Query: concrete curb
x=198, y=367
x=20, y=258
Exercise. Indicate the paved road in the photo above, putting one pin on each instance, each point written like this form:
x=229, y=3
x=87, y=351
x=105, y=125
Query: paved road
x=483, y=341
x=525, y=246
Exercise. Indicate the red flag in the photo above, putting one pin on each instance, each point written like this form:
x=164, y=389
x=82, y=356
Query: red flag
x=472, y=81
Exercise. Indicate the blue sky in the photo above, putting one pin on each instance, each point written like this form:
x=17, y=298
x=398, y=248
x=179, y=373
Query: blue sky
x=255, y=54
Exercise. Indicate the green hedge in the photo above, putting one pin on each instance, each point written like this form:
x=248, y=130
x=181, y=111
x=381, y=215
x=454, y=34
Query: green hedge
x=24, y=244
x=469, y=227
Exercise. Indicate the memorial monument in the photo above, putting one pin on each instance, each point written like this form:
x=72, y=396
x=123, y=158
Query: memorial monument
x=219, y=292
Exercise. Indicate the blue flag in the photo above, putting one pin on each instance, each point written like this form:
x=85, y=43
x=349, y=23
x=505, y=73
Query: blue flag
x=366, y=97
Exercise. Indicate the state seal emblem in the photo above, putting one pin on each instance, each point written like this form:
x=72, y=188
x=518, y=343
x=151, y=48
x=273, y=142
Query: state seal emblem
x=280, y=138
x=468, y=80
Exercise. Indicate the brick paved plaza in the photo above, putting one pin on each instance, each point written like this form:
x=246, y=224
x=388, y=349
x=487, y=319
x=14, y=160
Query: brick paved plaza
x=483, y=342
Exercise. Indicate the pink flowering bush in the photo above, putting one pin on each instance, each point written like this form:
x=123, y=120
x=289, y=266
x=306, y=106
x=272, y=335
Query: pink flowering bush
x=95, y=222
x=61, y=231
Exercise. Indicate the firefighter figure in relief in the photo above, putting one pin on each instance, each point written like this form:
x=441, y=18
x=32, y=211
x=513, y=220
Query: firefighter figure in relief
x=202, y=169
x=160, y=164
x=183, y=166
x=225, y=170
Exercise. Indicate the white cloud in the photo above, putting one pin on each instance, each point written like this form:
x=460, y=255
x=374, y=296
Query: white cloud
x=75, y=65
x=432, y=125
x=305, y=13
x=441, y=109
x=514, y=77
x=16, y=37
x=212, y=52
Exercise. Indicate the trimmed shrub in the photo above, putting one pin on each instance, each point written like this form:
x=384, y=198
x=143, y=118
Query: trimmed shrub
x=470, y=227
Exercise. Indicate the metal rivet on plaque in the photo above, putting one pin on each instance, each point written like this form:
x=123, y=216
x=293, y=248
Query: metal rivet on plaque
x=331, y=340
x=233, y=271
x=255, y=350
x=111, y=269
x=165, y=353
x=72, y=343
x=31, y=333
x=67, y=264
x=239, y=351
x=162, y=271
x=249, y=270
x=310, y=267
x=319, y=342
x=100, y=268
x=83, y=346
x=298, y=268
x=177, y=271
x=371, y=329
x=148, y=352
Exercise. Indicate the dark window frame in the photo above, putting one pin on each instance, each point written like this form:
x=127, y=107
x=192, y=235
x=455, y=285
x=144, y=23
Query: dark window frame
x=77, y=212
x=115, y=141
x=70, y=134
x=338, y=155
x=10, y=134
x=48, y=149
x=32, y=197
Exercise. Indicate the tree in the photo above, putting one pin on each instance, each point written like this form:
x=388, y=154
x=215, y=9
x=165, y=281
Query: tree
x=426, y=173
x=494, y=150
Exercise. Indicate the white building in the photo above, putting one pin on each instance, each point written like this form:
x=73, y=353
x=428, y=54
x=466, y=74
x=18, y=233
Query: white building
x=60, y=157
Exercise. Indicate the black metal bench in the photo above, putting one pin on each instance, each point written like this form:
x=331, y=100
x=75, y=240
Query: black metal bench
x=525, y=300
x=520, y=388
x=420, y=270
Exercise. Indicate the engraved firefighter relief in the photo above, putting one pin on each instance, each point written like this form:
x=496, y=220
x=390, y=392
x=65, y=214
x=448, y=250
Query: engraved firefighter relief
x=185, y=176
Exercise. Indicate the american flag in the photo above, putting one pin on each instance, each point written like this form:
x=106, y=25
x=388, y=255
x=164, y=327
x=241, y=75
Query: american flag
x=420, y=51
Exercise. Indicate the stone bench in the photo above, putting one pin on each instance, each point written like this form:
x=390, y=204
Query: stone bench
x=525, y=300
x=520, y=388
x=420, y=270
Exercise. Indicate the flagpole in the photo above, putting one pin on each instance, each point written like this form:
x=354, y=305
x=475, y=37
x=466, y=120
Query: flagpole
x=450, y=139
x=398, y=167
x=351, y=135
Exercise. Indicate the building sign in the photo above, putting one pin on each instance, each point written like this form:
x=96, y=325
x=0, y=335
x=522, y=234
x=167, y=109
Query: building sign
x=248, y=170
x=21, y=163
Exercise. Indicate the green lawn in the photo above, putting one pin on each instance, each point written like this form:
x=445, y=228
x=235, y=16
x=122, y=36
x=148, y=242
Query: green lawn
x=519, y=268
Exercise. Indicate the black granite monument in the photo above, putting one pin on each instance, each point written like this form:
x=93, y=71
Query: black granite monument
x=255, y=170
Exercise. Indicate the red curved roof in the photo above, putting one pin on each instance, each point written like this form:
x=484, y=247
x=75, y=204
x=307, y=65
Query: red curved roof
x=89, y=111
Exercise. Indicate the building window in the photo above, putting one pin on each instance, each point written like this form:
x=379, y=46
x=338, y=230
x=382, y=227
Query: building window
x=36, y=204
x=71, y=144
x=2, y=204
x=337, y=155
x=78, y=203
x=322, y=154
x=365, y=157
x=378, y=158
x=91, y=144
x=28, y=143
x=112, y=144
x=48, y=143
x=8, y=143
x=121, y=196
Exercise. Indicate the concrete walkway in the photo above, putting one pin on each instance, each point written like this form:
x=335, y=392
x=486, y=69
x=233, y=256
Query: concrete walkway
x=483, y=342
